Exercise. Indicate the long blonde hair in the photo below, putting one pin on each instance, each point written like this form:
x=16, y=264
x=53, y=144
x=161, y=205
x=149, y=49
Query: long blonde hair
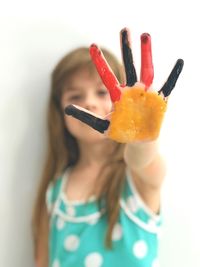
x=63, y=150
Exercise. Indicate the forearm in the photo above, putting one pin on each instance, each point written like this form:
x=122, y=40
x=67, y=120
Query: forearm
x=145, y=161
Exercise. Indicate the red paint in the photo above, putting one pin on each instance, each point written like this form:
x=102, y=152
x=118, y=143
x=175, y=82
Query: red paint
x=147, y=71
x=105, y=72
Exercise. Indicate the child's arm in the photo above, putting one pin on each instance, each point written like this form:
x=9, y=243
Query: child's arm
x=148, y=170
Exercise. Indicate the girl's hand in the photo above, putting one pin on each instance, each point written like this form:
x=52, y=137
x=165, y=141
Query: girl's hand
x=137, y=110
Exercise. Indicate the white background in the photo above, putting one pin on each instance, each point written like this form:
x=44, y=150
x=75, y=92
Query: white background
x=34, y=35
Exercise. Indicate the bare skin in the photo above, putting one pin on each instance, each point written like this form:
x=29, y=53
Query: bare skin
x=82, y=178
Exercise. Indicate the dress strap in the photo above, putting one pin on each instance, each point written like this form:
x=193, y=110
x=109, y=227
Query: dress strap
x=53, y=193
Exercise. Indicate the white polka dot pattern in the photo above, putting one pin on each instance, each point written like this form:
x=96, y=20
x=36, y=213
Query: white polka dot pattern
x=60, y=224
x=128, y=235
x=140, y=249
x=117, y=232
x=132, y=204
x=72, y=243
x=56, y=263
x=93, y=260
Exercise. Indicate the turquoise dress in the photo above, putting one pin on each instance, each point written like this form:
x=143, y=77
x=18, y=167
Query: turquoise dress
x=78, y=229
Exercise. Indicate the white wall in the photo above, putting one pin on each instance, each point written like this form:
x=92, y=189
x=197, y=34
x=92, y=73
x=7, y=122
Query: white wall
x=33, y=36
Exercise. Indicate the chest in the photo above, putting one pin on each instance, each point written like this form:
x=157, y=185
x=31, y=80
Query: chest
x=81, y=185
x=82, y=244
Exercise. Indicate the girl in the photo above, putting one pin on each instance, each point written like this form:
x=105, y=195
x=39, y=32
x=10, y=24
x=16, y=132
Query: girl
x=98, y=202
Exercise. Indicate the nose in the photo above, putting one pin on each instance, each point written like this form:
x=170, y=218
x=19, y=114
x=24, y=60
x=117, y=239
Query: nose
x=91, y=102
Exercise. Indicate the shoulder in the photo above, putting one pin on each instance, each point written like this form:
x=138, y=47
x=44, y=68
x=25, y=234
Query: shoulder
x=53, y=191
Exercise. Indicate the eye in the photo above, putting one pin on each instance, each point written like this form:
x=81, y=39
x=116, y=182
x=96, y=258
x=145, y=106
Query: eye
x=75, y=97
x=102, y=92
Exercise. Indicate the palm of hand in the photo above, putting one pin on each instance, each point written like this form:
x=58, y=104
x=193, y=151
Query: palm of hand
x=137, y=116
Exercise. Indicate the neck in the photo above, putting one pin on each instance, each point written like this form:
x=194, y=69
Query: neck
x=94, y=155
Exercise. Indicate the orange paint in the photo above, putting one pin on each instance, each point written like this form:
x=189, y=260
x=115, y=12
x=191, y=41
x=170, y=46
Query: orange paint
x=137, y=116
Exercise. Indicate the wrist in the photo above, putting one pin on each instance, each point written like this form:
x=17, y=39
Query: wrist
x=139, y=155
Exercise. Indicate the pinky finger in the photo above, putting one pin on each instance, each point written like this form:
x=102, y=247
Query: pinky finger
x=172, y=79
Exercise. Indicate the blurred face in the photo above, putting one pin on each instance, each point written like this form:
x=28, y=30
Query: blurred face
x=87, y=91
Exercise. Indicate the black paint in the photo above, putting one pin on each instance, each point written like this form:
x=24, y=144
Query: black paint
x=96, y=123
x=131, y=76
x=172, y=79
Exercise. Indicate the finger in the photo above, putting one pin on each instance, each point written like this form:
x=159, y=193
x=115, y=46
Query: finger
x=105, y=72
x=131, y=76
x=87, y=117
x=147, y=71
x=172, y=79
